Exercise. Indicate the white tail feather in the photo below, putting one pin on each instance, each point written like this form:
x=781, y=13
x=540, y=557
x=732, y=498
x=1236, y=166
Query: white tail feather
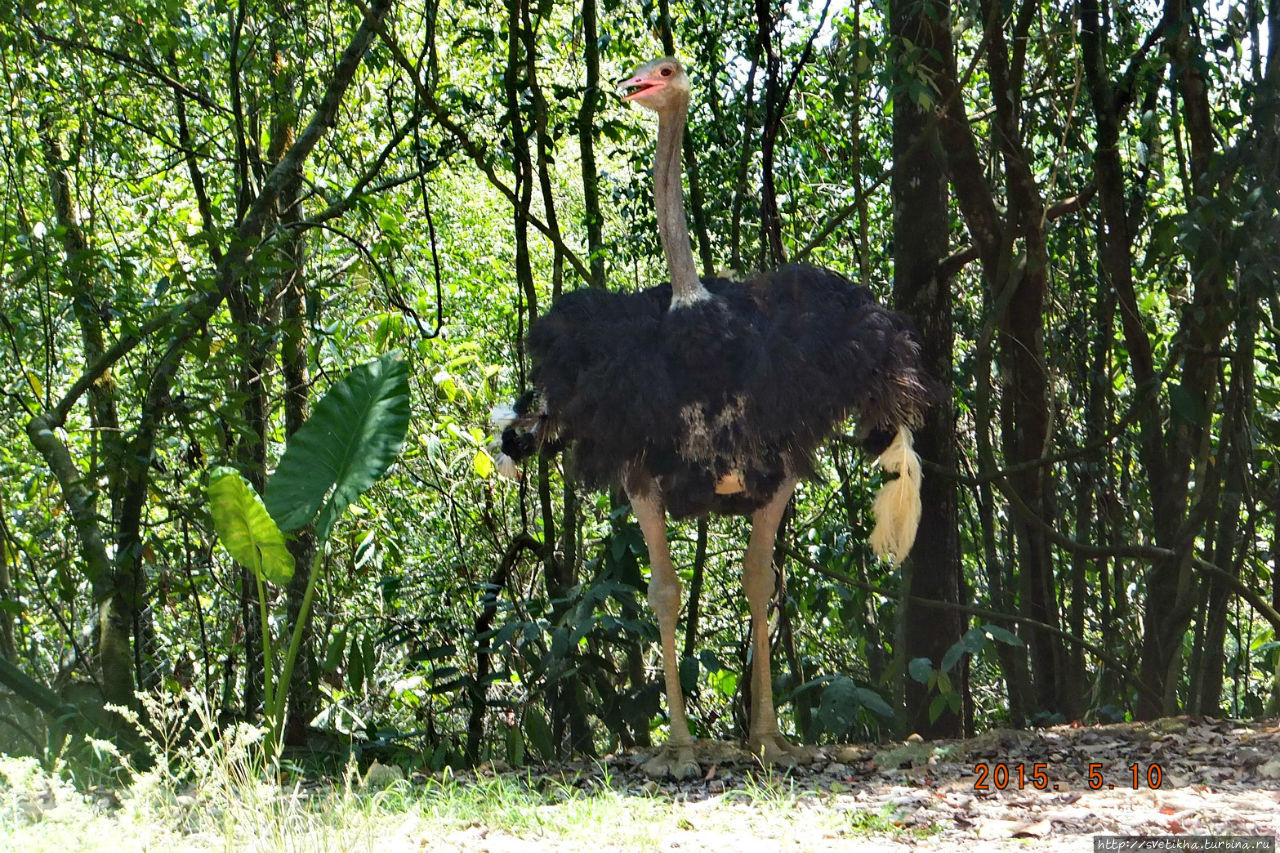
x=506, y=466
x=503, y=416
x=897, y=504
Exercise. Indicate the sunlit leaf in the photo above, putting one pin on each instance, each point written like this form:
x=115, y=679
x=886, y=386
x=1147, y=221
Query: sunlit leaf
x=246, y=529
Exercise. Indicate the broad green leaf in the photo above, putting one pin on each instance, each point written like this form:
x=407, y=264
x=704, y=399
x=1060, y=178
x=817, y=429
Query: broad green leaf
x=355, y=666
x=482, y=465
x=350, y=440
x=245, y=528
x=515, y=747
x=872, y=701
x=974, y=641
x=367, y=652
x=538, y=732
x=688, y=673
x=953, y=655
x=920, y=669
x=1184, y=407
x=838, y=709
x=333, y=655
x=1002, y=635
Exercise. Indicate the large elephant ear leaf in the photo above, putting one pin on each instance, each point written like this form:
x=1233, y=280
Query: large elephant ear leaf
x=352, y=437
x=245, y=528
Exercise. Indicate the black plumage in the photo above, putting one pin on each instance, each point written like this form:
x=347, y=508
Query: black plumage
x=750, y=381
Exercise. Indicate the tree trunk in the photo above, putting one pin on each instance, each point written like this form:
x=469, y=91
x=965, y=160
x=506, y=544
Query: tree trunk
x=586, y=144
x=770, y=218
x=920, y=230
x=1170, y=594
x=113, y=592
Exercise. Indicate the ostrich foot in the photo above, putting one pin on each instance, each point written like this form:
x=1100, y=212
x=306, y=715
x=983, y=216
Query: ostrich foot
x=675, y=760
x=773, y=749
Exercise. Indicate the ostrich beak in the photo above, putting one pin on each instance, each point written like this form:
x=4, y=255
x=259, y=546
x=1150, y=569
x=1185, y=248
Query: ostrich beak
x=639, y=85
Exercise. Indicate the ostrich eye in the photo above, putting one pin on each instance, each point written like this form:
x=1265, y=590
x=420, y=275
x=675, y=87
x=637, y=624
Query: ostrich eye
x=666, y=72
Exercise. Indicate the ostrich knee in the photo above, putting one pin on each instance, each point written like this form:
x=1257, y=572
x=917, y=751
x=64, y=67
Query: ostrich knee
x=664, y=597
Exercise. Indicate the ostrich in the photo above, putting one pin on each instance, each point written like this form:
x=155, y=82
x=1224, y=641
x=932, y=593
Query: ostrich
x=712, y=396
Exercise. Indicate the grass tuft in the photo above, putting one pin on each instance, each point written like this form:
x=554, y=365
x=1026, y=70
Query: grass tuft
x=206, y=788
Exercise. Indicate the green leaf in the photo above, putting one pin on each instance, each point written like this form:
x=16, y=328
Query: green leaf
x=515, y=747
x=973, y=642
x=920, y=669
x=482, y=465
x=1002, y=635
x=366, y=651
x=355, y=666
x=837, y=711
x=351, y=439
x=333, y=655
x=872, y=701
x=688, y=673
x=538, y=732
x=245, y=528
x=709, y=661
x=1184, y=407
x=953, y=655
x=841, y=699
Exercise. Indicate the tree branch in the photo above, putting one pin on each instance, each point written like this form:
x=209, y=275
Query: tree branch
x=469, y=145
x=140, y=65
x=957, y=260
x=197, y=309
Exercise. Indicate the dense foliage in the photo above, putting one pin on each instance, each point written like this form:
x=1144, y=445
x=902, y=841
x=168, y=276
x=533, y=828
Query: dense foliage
x=210, y=213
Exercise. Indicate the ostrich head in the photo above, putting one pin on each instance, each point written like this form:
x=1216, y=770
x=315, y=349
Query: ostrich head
x=659, y=85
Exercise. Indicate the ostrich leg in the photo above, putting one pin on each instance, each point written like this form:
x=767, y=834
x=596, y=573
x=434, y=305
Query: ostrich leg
x=676, y=758
x=764, y=739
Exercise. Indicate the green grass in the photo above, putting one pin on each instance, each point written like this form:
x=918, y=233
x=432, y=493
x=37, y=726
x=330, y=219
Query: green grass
x=213, y=792
x=507, y=812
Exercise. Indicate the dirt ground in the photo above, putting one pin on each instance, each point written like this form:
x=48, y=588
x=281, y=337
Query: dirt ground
x=1047, y=789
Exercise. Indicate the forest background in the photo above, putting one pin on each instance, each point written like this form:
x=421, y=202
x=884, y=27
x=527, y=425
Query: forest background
x=211, y=212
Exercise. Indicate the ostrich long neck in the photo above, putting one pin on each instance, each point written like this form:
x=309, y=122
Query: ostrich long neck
x=673, y=228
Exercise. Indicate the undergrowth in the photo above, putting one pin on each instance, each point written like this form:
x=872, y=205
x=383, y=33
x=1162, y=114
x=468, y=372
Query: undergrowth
x=202, y=787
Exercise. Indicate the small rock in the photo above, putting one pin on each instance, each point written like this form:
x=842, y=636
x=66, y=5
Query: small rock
x=852, y=754
x=381, y=776
x=715, y=786
x=1270, y=770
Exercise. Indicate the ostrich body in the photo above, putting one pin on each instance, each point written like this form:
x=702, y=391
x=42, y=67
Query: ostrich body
x=712, y=397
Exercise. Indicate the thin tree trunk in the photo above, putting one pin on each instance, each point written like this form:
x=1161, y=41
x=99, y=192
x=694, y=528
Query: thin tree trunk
x=1026, y=417
x=586, y=145
x=920, y=230
x=113, y=591
x=1018, y=286
x=1170, y=594
x=740, y=185
x=770, y=216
